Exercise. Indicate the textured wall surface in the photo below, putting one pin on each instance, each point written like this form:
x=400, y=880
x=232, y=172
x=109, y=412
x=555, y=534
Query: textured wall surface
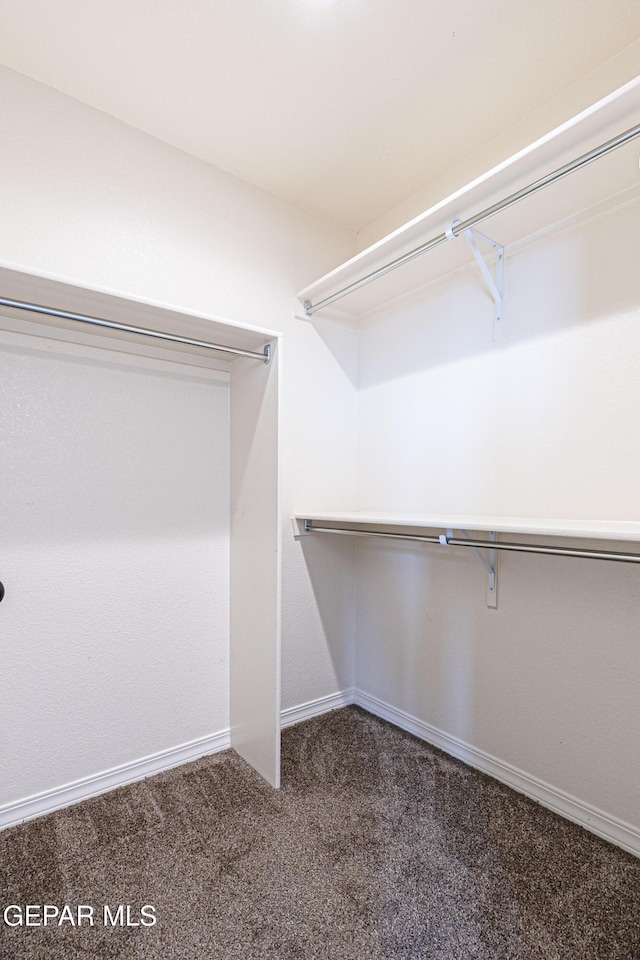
x=115, y=558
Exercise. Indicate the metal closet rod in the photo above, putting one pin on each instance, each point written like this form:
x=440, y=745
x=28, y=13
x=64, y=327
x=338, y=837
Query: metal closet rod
x=310, y=527
x=457, y=228
x=265, y=356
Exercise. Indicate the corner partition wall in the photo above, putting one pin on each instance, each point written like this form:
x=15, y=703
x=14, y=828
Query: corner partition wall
x=255, y=567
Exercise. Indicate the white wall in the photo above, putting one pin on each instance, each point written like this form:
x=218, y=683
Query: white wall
x=543, y=424
x=115, y=559
x=87, y=198
x=540, y=424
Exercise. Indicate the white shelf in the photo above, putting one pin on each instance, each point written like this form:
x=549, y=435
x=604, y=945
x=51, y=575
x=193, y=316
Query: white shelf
x=622, y=530
x=63, y=293
x=611, y=176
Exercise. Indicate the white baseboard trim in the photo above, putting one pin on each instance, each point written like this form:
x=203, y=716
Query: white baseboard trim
x=602, y=824
x=50, y=800
x=314, y=708
x=71, y=793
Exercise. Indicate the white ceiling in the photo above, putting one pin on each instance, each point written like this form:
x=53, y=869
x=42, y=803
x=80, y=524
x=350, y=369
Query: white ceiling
x=343, y=107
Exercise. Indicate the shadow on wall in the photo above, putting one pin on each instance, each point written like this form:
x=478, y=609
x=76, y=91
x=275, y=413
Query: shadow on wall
x=333, y=338
x=329, y=572
x=418, y=608
x=540, y=424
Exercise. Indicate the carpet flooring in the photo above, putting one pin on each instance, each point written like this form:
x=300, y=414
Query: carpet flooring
x=378, y=847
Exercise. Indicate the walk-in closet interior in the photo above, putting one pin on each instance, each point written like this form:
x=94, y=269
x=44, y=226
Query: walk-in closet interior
x=305, y=406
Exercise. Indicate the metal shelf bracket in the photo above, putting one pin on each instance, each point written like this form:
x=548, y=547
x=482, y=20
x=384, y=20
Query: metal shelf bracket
x=495, y=284
x=490, y=563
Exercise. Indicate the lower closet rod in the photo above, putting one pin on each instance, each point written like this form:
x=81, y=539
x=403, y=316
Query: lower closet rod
x=265, y=356
x=310, y=527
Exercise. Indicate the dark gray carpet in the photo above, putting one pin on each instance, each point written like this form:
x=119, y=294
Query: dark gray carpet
x=378, y=846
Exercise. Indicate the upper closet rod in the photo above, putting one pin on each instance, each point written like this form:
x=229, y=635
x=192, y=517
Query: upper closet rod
x=265, y=356
x=458, y=228
x=449, y=541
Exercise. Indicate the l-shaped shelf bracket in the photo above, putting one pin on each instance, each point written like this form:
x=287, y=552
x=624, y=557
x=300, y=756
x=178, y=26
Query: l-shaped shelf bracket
x=495, y=284
x=490, y=563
